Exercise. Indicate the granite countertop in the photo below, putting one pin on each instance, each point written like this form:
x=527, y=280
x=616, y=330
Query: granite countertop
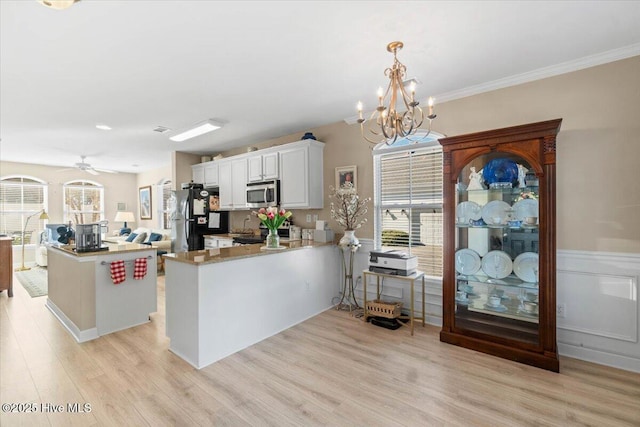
x=113, y=249
x=209, y=256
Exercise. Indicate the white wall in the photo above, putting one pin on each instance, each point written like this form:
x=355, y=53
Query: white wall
x=152, y=178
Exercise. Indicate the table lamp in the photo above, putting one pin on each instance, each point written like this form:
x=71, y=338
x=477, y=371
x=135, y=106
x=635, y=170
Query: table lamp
x=43, y=215
x=124, y=216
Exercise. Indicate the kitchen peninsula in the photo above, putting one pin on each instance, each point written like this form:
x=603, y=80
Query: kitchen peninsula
x=219, y=301
x=84, y=298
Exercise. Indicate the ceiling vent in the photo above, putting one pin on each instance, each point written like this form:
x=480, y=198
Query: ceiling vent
x=161, y=129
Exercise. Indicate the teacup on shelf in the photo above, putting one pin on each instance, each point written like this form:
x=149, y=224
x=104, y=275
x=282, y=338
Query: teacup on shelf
x=494, y=301
x=530, y=307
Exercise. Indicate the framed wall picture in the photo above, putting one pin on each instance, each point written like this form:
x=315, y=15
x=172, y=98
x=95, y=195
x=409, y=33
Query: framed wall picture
x=145, y=202
x=121, y=206
x=347, y=174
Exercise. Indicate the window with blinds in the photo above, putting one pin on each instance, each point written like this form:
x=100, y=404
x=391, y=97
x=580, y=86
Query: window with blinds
x=21, y=197
x=408, y=201
x=165, y=206
x=83, y=202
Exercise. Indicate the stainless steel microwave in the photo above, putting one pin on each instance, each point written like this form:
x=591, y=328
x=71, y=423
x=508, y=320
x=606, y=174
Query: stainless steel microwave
x=263, y=194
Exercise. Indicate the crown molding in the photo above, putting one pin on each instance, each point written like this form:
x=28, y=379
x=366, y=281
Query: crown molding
x=541, y=73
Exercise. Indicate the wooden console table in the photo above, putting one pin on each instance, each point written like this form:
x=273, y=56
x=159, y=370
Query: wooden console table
x=406, y=279
x=6, y=265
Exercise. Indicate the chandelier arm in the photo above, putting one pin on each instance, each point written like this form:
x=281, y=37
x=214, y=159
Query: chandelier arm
x=365, y=136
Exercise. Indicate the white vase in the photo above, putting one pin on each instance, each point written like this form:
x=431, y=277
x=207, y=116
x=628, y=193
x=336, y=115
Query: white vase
x=349, y=239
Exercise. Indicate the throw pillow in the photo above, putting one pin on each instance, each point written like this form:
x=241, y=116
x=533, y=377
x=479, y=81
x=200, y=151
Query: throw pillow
x=140, y=238
x=155, y=237
x=131, y=237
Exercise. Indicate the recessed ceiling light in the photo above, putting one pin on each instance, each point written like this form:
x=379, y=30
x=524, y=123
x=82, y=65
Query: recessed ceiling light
x=196, y=130
x=102, y=126
x=161, y=129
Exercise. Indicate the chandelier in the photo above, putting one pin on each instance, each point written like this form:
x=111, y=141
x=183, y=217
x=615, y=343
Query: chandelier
x=391, y=123
x=58, y=4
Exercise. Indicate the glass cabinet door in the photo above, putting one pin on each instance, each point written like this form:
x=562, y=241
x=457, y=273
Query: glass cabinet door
x=497, y=245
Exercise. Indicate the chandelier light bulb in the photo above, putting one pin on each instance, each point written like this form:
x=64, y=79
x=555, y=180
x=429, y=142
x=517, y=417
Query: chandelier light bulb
x=412, y=88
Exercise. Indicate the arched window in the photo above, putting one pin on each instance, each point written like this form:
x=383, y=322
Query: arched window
x=408, y=199
x=21, y=197
x=83, y=202
x=165, y=207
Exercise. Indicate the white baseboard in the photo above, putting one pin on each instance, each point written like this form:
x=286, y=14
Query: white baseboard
x=80, y=336
x=599, y=357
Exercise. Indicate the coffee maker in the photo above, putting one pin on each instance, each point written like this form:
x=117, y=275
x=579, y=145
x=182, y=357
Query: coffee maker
x=89, y=238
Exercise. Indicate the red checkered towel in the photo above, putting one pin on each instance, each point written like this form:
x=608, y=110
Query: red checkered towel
x=140, y=268
x=118, y=275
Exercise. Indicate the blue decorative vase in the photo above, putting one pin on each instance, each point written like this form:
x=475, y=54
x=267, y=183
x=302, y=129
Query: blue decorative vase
x=308, y=135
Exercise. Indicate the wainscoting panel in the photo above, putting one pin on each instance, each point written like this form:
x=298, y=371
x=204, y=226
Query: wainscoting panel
x=599, y=292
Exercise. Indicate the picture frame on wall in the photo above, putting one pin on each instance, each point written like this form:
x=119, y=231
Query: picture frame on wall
x=346, y=174
x=121, y=206
x=145, y=202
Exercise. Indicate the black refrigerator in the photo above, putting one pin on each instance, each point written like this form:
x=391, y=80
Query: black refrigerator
x=197, y=214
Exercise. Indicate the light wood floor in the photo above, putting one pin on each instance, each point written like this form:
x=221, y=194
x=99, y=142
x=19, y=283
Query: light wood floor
x=330, y=370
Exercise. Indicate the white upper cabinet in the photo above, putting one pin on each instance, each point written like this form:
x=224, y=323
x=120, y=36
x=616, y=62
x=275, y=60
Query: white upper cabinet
x=298, y=165
x=211, y=177
x=197, y=173
x=225, y=185
x=301, y=175
x=232, y=183
x=239, y=183
x=262, y=167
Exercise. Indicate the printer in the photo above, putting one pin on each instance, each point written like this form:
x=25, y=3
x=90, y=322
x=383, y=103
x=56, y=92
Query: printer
x=392, y=262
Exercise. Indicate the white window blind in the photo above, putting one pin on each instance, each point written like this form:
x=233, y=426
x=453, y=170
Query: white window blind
x=83, y=202
x=21, y=197
x=408, y=203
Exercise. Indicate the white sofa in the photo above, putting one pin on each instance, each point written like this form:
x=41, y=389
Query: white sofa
x=48, y=237
x=164, y=244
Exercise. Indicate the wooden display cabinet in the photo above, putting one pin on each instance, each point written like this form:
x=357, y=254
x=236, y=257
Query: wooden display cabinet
x=499, y=281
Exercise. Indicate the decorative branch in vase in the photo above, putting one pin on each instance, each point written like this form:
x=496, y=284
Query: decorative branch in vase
x=348, y=210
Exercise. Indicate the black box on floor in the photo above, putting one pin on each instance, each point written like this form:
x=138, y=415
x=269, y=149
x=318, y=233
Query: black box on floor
x=384, y=322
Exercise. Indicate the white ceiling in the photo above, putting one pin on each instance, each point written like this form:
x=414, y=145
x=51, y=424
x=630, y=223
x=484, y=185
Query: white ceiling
x=267, y=69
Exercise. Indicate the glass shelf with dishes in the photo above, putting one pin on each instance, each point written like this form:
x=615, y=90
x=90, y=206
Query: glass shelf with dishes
x=496, y=260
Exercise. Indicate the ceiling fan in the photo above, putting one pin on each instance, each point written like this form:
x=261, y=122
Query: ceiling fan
x=83, y=166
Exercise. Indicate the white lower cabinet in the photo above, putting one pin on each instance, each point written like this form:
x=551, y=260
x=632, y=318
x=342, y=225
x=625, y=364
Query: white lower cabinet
x=212, y=242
